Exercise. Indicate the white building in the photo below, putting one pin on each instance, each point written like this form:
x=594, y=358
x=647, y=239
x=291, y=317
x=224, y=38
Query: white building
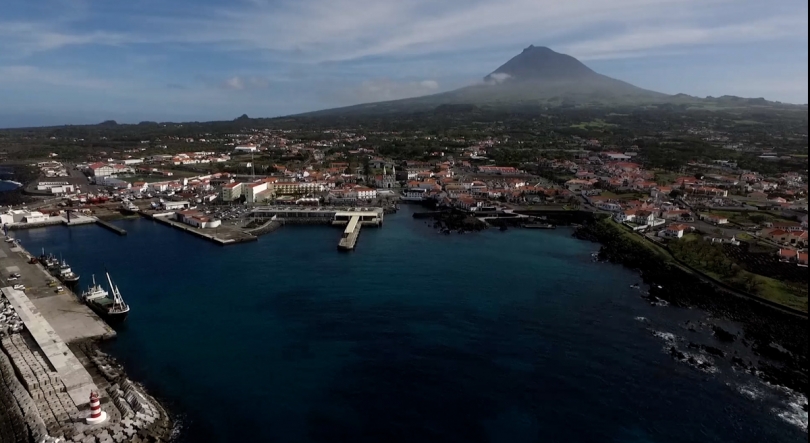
x=20, y=216
x=364, y=193
x=197, y=219
x=56, y=188
x=230, y=192
x=252, y=191
x=244, y=149
x=174, y=206
x=101, y=169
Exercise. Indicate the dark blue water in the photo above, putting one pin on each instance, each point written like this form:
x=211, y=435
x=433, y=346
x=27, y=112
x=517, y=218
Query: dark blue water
x=415, y=337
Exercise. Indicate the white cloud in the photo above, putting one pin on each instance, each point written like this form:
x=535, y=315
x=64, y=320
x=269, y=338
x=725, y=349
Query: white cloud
x=238, y=83
x=499, y=77
x=642, y=41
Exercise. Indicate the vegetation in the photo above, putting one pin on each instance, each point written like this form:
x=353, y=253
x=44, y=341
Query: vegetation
x=744, y=273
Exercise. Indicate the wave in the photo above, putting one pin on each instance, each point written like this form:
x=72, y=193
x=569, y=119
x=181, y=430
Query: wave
x=666, y=336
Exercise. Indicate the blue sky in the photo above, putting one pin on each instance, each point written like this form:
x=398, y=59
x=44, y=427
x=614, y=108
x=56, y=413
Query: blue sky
x=84, y=61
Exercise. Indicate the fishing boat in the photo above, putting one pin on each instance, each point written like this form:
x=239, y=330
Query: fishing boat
x=63, y=272
x=113, y=309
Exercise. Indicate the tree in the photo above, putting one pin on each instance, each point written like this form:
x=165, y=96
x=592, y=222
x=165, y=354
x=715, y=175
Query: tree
x=757, y=218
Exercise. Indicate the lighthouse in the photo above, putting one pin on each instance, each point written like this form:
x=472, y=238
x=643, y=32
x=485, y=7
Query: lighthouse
x=96, y=414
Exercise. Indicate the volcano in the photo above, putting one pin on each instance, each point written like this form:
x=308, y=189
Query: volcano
x=536, y=76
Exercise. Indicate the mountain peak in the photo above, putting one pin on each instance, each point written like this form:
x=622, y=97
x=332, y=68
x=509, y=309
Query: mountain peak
x=540, y=63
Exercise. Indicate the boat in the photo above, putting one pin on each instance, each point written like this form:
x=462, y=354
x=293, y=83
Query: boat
x=538, y=226
x=113, y=309
x=63, y=272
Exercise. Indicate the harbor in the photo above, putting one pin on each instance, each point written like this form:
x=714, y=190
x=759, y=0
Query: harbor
x=51, y=368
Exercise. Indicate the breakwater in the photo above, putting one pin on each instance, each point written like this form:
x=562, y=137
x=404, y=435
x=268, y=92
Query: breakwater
x=111, y=227
x=784, y=365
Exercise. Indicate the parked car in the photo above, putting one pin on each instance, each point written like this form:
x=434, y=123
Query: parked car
x=9, y=240
x=19, y=287
x=12, y=278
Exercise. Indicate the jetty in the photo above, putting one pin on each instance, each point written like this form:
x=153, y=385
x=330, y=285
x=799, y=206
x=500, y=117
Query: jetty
x=354, y=218
x=49, y=366
x=111, y=227
x=350, y=234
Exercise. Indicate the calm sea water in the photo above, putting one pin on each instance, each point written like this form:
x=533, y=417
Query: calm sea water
x=507, y=337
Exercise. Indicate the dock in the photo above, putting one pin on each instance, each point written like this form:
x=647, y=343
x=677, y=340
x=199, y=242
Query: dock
x=111, y=227
x=49, y=367
x=233, y=237
x=354, y=218
x=350, y=234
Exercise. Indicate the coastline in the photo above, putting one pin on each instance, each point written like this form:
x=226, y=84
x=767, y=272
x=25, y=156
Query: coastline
x=777, y=337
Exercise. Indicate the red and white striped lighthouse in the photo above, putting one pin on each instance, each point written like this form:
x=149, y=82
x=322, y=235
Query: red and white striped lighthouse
x=96, y=414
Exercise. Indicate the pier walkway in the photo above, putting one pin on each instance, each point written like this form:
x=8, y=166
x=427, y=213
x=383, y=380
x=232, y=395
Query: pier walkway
x=349, y=238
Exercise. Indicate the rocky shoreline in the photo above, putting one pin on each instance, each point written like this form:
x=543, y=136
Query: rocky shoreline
x=778, y=339
x=35, y=412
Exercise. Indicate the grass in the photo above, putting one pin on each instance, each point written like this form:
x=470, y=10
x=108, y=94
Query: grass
x=792, y=296
x=666, y=178
x=779, y=292
x=691, y=237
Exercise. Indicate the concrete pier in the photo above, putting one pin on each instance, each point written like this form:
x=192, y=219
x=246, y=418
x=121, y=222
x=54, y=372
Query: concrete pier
x=234, y=236
x=350, y=234
x=111, y=227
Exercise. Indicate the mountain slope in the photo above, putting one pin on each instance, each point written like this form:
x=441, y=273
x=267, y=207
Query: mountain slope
x=537, y=76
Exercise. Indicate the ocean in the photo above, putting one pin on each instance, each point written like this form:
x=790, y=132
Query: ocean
x=512, y=337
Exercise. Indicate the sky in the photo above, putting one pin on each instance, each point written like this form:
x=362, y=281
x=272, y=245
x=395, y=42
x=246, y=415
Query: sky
x=85, y=61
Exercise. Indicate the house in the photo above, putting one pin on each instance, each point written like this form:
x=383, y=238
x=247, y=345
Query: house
x=788, y=255
x=677, y=214
x=609, y=206
x=174, y=206
x=729, y=240
x=467, y=203
x=714, y=219
x=673, y=231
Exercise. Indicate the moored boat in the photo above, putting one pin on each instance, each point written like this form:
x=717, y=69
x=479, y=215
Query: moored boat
x=112, y=308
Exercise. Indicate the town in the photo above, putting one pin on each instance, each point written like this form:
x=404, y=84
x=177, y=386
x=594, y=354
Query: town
x=733, y=192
